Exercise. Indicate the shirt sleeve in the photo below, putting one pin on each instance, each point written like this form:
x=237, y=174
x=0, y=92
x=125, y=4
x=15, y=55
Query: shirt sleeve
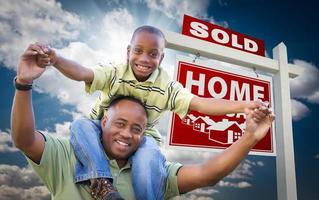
x=179, y=99
x=102, y=78
x=55, y=158
x=171, y=189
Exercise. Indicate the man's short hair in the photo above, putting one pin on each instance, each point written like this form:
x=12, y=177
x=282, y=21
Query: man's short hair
x=116, y=99
x=149, y=29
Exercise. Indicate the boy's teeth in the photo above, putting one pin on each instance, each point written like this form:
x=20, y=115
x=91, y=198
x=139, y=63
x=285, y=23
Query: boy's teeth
x=143, y=67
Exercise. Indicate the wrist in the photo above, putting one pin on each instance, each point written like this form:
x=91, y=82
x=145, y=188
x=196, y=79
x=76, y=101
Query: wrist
x=22, y=81
x=250, y=138
x=57, y=60
x=21, y=84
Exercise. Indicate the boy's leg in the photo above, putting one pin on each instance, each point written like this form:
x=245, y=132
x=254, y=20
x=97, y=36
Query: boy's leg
x=86, y=143
x=148, y=170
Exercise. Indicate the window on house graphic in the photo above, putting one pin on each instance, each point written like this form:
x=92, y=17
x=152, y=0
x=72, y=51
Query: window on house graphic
x=197, y=126
x=237, y=135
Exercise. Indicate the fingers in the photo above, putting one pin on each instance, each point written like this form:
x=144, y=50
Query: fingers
x=43, y=60
x=39, y=48
x=260, y=113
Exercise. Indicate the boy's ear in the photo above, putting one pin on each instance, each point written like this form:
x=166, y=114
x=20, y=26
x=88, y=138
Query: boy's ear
x=162, y=56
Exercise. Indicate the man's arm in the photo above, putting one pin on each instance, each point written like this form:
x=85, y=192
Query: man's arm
x=69, y=68
x=209, y=173
x=212, y=106
x=22, y=118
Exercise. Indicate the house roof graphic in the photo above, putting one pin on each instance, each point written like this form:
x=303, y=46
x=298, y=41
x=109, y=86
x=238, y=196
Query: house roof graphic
x=225, y=124
x=191, y=117
x=206, y=119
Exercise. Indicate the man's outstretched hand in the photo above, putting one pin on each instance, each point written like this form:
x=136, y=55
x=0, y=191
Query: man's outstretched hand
x=258, y=122
x=28, y=67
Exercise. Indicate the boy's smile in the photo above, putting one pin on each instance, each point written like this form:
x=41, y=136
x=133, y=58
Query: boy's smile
x=145, y=54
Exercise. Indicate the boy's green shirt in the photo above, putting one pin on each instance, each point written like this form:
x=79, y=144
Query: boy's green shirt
x=159, y=93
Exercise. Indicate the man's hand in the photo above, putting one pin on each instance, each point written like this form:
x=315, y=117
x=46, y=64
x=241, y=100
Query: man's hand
x=28, y=67
x=258, y=122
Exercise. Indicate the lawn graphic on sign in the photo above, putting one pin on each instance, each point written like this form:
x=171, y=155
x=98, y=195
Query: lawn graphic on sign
x=218, y=132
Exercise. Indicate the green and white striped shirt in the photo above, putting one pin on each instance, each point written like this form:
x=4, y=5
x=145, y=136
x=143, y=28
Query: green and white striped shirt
x=159, y=93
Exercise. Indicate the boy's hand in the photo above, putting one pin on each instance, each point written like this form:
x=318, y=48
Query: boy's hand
x=49, y=56
x=252, y=105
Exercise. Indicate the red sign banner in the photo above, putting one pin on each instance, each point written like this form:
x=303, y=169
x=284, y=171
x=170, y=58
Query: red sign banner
x=218, y=132
x=204, y=30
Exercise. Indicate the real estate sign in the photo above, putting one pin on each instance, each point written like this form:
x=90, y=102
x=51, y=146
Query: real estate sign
x=213, y=33
x=209, y=80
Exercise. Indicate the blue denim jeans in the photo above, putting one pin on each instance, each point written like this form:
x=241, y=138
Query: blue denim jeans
x=148, y=163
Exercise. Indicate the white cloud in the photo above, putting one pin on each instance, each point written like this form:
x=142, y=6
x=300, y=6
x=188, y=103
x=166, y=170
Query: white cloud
x=240, y=185
x=177, y=9
x=298, y=110
x=21, y=183
x=23, y=22
x=306, y=86
x=6, y=144
x=110, y=43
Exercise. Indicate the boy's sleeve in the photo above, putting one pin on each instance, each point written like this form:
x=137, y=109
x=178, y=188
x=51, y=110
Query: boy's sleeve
x=54, y=159
x=102, y=77
x=179, y=99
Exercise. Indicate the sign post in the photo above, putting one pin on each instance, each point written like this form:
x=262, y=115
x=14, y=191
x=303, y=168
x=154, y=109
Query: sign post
x=282, y=70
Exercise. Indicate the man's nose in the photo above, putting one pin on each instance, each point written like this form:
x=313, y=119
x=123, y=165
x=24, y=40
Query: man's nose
x=126, y=133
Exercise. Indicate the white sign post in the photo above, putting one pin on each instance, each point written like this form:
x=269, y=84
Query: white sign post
x=285, y=162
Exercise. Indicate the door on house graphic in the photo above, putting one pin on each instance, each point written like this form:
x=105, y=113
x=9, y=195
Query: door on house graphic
x=230, y=137
x=202, y=127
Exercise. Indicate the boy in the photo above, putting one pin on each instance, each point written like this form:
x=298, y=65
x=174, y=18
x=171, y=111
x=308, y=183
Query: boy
x=142, y=78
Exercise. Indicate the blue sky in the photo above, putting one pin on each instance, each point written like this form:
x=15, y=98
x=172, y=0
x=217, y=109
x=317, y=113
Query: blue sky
x=93, y=32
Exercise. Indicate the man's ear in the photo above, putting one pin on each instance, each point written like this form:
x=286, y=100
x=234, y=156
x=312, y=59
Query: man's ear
x=128, y=50
x=103, y=121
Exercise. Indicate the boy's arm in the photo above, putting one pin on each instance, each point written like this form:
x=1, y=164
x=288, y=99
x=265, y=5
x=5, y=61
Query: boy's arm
x=210, y=172
x=73, y=70
x=212, y=106
x=69, y=68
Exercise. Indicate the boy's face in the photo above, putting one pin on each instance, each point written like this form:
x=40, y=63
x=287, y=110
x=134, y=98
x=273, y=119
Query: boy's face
x=145, y=54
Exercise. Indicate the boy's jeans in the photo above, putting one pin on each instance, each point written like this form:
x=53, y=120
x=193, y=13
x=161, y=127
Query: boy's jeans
x=148, y=163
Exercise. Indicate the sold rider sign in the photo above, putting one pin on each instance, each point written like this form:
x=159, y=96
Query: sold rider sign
x=216, y=34
x=218, y=132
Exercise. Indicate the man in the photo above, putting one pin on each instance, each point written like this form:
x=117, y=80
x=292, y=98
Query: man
x=122, y=131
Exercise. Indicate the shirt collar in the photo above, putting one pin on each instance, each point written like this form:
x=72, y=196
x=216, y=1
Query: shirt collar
x=114, y=164
x=129, y=76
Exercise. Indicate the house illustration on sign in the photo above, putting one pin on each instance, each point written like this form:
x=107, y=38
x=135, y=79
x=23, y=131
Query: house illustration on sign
x=226, y=132
x=202, y=123
x=189, y=119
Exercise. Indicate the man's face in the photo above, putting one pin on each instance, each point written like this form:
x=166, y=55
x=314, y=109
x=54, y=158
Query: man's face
x=145, y=54
x=123, y=129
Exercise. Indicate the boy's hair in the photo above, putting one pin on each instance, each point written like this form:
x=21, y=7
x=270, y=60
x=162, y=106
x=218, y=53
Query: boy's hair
x=149, y=29
x=116, y=99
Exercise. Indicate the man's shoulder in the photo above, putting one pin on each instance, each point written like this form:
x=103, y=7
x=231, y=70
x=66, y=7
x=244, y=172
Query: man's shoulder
x=57, y=147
